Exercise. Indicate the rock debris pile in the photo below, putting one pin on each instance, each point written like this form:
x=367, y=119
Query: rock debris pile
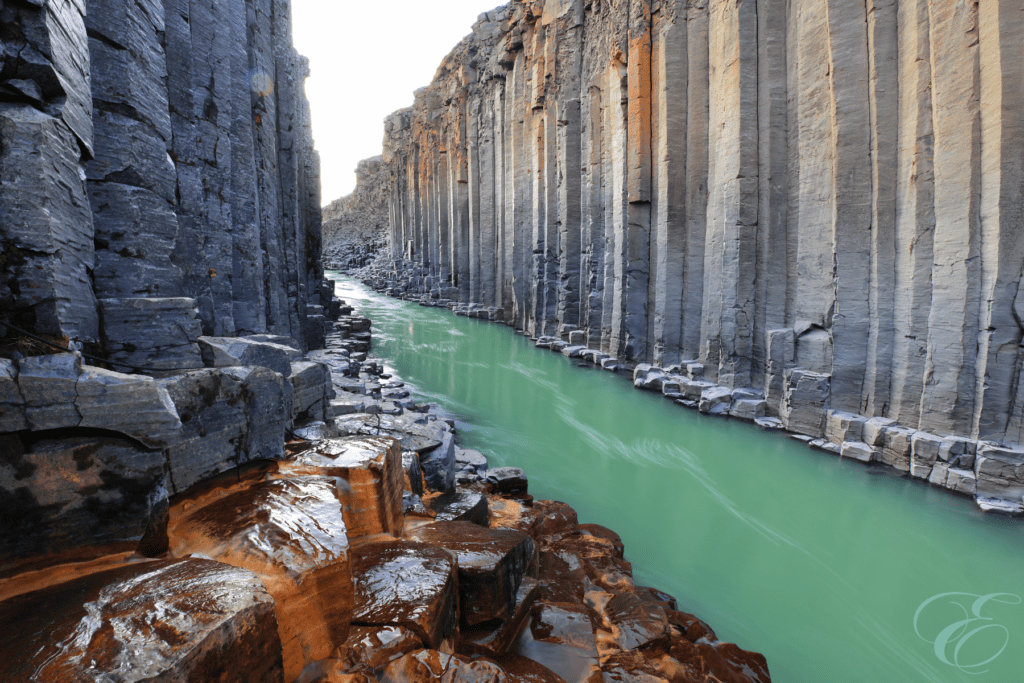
x=806, y=210
x=367, y=546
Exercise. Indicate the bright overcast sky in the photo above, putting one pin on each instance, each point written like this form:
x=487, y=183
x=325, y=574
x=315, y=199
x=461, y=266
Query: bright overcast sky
x=367, y=58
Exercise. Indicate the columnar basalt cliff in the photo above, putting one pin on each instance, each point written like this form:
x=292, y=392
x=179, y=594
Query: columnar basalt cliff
x=157, y=176
x=811, y=206
x=356, y=226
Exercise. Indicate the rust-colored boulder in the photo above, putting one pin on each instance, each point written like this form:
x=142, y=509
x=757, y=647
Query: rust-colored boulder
x=492, y=564
x=636, y=624
x=458, y=506
x=290, y=532
x=370, y=481
x=409, y=584
x=555, y=516
x=526, y=670
x=506, y=513
x=371, y=648
x=181, y=620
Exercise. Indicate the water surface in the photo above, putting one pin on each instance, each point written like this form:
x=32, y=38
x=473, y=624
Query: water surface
x=821, y=564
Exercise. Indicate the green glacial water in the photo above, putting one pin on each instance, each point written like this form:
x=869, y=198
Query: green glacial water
x=825, y=566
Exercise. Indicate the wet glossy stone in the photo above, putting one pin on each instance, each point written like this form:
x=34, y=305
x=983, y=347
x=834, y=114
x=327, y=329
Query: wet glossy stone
x=430, y=666
x=506, y=513
x=492, y=564
x=331, y=671
x=561, y=638
x=656, y=596
x=74, y=499
x=459, y=506
x=526, y=670
x=374, y=647
x=575, y=554
x=416, y=433
x=291, y=533
x=704, y=663
x=183, y=620
x=413, y=472
x=409, y=584
x=635, y=623
x=497, y=638
x=370, y=481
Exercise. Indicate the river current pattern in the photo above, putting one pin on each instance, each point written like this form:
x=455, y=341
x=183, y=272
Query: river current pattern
x=833, y=570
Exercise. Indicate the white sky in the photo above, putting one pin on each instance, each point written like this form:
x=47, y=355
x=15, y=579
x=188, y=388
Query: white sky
x=367, y=58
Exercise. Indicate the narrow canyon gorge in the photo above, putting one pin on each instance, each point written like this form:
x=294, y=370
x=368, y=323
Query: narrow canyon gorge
x=805, y=212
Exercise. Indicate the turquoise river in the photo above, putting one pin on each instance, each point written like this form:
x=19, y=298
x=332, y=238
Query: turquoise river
x=835, y=571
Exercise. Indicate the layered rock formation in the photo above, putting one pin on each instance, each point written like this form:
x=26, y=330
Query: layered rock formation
x=356, y=226
x=157, y=176
x=814, y=204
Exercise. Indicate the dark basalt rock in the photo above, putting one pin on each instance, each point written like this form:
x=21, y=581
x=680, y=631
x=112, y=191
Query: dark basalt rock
x=496, y=638
x=506, y=480
x=75, y=499
x=183, y=620
x=409, y=584
x=635, y=623
x=492, y=564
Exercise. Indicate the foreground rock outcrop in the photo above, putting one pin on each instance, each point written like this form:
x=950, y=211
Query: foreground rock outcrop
x=357, y=543
x=812, y=205
x=356, y=227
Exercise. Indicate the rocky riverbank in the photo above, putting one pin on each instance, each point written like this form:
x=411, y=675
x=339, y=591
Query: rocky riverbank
x=990, y=472
x=319, y=525
x=355, y=227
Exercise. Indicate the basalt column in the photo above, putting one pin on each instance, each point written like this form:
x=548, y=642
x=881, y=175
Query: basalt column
x=815, y=202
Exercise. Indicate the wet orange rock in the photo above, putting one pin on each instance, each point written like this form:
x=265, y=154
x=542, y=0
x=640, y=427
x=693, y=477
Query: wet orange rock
x=372, y=648
x=181, y=620
x=506, y=513
x=561, y=638
x=370, y=480
x=526, y=670
x=635, y=623
x=331, y=671
x=555, y=516
x=428, y=666
x=290, y=532
x=576, y=554
x=496, y=638
x=492, y=564
x=408, y=584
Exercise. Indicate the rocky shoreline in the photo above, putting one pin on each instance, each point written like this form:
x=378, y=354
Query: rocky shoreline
x=342, y=536
x=990, y=472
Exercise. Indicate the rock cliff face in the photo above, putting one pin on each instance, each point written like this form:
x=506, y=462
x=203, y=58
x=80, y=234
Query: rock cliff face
x=818, y=200
x=356, y=226
x=157, y=175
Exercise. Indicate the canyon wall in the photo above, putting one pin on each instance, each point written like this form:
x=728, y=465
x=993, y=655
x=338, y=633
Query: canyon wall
x=356, y=226
x=821, y=187
x=157, y=176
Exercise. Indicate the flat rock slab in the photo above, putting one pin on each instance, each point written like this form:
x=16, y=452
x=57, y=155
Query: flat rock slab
x=459, y=506
x=222, y=352
x=182, y=620
x=492, y=565
x=526, y=670
x=291, y=533
x=416, y=433
x=408, y=584
x=370, y=480
x=78, y=498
